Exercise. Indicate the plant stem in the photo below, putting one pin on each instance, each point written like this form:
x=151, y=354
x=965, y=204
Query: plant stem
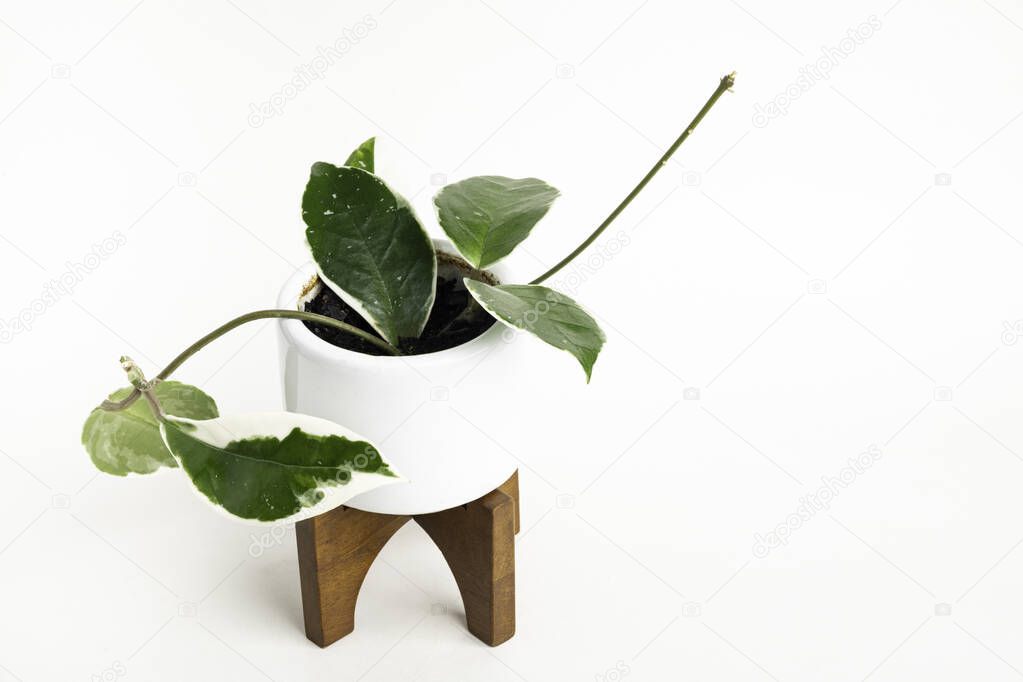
x=270, y=314
x=239, y=321
x=726, y=83
x=154, y=404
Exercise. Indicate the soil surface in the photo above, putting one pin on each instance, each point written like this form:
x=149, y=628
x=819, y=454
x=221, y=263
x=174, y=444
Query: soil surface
x=455, y=319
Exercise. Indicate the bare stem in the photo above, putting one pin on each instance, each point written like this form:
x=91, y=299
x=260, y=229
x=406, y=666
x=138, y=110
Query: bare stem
x=726, y=83
x=154, y=404
x=113, y=405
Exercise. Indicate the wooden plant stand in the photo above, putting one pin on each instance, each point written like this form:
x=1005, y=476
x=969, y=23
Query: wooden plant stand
x=336, y=549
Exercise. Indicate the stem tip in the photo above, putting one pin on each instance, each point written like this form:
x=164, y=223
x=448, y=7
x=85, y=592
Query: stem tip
x=135, y=375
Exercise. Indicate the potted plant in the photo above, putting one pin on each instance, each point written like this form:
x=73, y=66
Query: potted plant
x=379, y=303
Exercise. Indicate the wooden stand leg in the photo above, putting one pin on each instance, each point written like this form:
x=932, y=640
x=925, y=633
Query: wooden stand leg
x=511, y=489
x=478, y=542
x=335, y=551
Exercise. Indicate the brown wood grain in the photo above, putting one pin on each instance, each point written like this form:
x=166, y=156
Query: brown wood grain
x=478, y=542
x=336, y=549
x=511, y=489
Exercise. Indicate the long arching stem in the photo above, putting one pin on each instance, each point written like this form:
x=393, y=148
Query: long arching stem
x=270, y=314
x=239, y=321
x=726, y=83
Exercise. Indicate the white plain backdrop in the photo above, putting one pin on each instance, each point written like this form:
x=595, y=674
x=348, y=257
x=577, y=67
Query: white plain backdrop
x=829, y=270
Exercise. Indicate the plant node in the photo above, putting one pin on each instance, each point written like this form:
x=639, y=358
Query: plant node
x=135, y=375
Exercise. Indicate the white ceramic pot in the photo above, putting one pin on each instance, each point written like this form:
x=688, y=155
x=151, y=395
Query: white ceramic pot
x=402, y=405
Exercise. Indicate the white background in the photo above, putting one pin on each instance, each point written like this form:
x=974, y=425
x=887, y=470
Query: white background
x=782, y=298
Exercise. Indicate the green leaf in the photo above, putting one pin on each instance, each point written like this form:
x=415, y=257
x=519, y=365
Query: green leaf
x=487, y=216
x=128, y=441
x=363, y=156
x=274, y=466
x=550, y=316
x=370, y=249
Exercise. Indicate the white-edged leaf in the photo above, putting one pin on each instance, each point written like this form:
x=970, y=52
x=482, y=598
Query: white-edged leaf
x=128, y=441
x=370, y=249
x=550, y=316
x=275, y=466
x=487, y=216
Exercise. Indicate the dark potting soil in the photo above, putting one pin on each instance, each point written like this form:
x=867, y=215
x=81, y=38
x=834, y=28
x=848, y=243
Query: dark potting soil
x=455, y=319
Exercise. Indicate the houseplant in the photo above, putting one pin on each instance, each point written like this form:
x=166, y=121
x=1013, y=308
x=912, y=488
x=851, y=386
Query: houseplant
x=379, y=295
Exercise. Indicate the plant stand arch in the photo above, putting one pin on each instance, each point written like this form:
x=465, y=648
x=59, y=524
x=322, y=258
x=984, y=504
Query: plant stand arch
x=336, y=549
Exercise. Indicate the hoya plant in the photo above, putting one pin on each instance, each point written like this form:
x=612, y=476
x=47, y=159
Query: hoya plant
x=382, y=288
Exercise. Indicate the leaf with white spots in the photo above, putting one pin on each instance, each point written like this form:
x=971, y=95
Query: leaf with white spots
x=550, y=316
x=370, y=249
x=275, y=466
